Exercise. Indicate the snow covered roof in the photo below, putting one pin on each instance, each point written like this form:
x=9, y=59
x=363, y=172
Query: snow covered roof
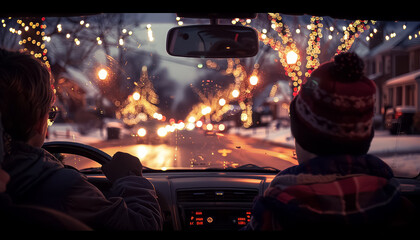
x=83, y=81
x=408, y=77
x=77, y=76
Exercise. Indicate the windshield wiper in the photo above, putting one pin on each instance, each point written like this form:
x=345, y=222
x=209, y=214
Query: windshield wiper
x=246, y=168
x=91, y=170
x=252, y=167
x=98, y=170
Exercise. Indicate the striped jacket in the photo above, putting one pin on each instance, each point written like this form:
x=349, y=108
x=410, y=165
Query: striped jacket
x=340, y=191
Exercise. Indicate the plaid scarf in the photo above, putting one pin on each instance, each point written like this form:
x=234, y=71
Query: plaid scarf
x=329, y=191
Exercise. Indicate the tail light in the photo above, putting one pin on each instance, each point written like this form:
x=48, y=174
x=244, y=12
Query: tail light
x=398, y=114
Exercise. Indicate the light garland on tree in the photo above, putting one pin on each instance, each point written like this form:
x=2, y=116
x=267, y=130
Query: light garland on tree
x=352, y=32
x=314, y=45
x=286, y=45
x=142, y=103
x=32, y=32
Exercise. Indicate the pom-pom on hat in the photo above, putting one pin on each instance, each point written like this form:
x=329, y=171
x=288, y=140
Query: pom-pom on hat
x=333, y=112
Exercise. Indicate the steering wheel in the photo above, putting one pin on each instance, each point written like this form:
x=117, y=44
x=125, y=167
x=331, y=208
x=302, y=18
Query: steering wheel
x=78, y=149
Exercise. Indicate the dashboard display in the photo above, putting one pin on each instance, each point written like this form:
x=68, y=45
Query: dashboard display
x=216, y=218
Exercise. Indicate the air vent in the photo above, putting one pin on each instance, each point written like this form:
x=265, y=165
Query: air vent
x=216, y=195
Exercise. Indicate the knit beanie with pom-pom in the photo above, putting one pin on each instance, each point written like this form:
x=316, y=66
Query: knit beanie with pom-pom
x=333, y=112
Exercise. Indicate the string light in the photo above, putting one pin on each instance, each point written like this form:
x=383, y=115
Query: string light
x=285, y=45
x=178, y=20
x=314, y=44
x=142, y=103
x=32, y=37
x=150, y=32
x=351, y=32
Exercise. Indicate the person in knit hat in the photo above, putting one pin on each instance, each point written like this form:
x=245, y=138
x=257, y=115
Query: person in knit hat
x=333, y=112
x=336, y=183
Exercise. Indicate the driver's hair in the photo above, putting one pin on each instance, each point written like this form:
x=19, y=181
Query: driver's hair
x=26, y=93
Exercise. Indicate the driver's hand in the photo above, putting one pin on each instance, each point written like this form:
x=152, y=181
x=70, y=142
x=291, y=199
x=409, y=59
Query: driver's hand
x=121, y=165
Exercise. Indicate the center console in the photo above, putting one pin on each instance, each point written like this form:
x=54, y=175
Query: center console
x=215, y=209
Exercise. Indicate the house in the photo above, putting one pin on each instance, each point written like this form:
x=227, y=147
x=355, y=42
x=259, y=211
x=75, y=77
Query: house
x=402, y=91
x=393, y=63
x=272, y=103
x=279, y=99
x=75, y=92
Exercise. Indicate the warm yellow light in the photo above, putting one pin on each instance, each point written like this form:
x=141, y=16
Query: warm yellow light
x=253, y=80
x=191, y=119
x=190, y=126
x=162, y=132
x=222, y=102
x=244, y=117
x=136, y=96
x=206, y=110
x=141, y=132
x=291, y=57
x=235, y=93
x=102, y=74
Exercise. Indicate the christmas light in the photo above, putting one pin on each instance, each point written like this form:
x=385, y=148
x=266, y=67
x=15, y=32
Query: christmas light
x=314, y=44
x=150, y=32
x=291, y=57
x=253, y=80
x=142, y=103
x=235, y=93
x=102, y=74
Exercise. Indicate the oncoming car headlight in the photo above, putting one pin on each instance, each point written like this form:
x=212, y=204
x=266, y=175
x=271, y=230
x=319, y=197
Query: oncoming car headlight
x=141, y=132
x=162, y=132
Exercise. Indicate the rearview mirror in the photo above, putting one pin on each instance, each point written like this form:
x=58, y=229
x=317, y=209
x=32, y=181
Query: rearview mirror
x=212, y=41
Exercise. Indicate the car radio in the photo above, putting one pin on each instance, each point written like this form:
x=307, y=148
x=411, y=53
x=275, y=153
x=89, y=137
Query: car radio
x=215, y=218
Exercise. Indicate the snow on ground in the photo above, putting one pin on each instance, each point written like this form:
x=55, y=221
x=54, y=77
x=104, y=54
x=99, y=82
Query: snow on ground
x=401, y=153
x=383, y=143
x=69, y=132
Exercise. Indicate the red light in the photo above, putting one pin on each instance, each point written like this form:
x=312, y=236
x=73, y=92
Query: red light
x=398, y=114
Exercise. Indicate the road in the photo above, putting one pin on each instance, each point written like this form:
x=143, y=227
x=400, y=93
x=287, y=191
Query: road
x=193, y=149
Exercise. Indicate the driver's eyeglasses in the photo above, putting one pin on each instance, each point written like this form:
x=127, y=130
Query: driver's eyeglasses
x=52, y=114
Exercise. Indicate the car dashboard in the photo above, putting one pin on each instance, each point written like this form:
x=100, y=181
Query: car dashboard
x=197, y=200
x=216, y=200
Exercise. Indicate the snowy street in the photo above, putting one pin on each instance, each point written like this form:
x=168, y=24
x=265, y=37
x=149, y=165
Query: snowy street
x=402, y=152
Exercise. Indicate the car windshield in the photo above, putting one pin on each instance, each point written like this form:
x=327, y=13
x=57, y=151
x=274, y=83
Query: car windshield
x=113, y=76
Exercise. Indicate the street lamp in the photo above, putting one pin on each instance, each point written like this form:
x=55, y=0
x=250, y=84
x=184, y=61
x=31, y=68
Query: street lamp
x=102, y=74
